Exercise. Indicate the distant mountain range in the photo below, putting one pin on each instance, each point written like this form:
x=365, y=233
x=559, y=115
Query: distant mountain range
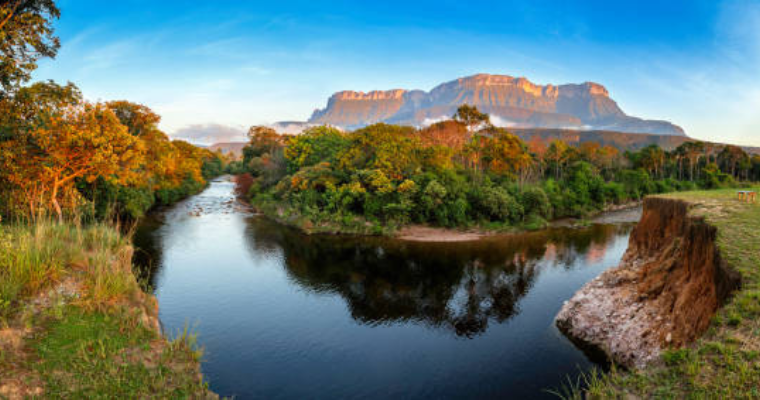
x=234, y=148
x=511, y=102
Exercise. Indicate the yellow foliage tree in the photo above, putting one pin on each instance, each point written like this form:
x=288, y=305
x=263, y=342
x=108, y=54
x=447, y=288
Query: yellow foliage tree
x=86, y=141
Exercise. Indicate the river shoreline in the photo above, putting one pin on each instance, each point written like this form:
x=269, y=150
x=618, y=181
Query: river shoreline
x=273, y=305
x=680, y=310
x=423, y=233
x=614, y=213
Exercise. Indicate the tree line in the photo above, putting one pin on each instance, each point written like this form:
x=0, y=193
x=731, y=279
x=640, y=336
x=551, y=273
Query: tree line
x=63, y=155
x=465, y=171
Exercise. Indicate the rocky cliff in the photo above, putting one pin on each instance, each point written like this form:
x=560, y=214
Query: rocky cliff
x=512, y=101
x=668, y=286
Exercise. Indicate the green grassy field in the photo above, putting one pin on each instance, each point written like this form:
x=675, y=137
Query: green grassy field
x=725, y=362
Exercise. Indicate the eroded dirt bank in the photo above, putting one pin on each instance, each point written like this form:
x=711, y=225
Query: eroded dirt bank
x=668, y=286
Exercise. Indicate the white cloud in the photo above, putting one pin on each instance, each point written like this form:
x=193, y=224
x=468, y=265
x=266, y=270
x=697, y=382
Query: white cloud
x=431, y=121
x=502, y=122
x=210, y=133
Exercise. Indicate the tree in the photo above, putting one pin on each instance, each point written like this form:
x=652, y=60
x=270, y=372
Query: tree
x=692, y=152
x=652, y=159
x=471, y=117
x=608, y=159
x=138, y=118
x=450, y=134
x=160, y=155
x=262, y=140
x=85, y=142
x=26, y=35
x=506, y=154
x=314, y=145
x=20, y=115
x=264, y=155
x=558, y=156
x=392, y=149
x=733, y=159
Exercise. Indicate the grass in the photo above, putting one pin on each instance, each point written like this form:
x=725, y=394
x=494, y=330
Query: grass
x=74, y=322
x=33, y=258
x=98, y=355
x=725, y=362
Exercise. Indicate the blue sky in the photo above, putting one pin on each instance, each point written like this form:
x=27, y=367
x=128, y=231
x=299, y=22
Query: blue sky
x=225, y=65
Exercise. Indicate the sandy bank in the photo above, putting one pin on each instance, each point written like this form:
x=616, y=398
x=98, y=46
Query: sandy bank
x=420, y=233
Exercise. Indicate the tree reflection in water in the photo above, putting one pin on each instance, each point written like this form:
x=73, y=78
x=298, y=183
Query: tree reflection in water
x=459, y=287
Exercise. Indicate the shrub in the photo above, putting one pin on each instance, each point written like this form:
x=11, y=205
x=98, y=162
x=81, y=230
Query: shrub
x=535, y=202
x=615, y=192
x=496, y=204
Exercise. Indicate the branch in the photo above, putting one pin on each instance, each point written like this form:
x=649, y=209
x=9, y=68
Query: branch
x=10, y=14
x=76, y=174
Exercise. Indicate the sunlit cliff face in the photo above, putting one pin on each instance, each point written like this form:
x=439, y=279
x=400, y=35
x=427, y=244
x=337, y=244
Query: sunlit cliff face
x=517, y=100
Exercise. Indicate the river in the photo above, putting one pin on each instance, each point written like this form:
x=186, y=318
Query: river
x=285, y=315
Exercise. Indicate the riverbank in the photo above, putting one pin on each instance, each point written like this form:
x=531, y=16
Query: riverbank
x=356, y=225
x=75, y=323
x=272, y=305
x=723, y=361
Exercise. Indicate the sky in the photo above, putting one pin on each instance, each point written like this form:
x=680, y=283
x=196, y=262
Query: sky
x=222, y=66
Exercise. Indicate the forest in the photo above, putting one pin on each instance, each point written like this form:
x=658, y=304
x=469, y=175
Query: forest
x=464, y=172
x=71, y=172
x=61, y=155
x=65, y=156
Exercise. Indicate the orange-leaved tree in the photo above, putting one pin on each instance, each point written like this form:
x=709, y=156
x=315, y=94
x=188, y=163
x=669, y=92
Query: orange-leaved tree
x=85, y=141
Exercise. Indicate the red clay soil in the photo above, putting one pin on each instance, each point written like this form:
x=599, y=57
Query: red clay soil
x=667, y=288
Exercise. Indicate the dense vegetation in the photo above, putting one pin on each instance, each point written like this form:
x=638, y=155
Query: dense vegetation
x=75, y=323
x=64, y=155
x=464, y=172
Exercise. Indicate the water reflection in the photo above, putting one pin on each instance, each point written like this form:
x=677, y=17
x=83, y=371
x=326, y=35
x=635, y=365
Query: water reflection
x=459, y=287
x=367, y=317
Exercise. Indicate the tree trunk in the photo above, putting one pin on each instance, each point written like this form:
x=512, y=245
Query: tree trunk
x=56, y=206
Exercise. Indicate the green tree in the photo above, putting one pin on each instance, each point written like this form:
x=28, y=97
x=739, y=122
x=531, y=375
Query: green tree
x=315, y=145
x=471, y=117
x=652, y=159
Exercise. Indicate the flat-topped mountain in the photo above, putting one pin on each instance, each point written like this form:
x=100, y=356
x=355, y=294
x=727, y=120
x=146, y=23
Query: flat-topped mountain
x=514, y=102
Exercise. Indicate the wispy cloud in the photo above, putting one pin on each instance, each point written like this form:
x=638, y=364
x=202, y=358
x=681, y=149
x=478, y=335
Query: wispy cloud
x=255, y=69
x=210, y=133
x=111, y=55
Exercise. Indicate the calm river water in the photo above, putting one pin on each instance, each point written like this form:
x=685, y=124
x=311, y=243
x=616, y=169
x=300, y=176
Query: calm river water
x=284, y=315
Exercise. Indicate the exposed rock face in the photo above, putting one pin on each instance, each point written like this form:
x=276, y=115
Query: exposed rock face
x=514, y=101
x=664, y=293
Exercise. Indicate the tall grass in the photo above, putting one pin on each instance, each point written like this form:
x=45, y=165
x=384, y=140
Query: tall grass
x=36, y=257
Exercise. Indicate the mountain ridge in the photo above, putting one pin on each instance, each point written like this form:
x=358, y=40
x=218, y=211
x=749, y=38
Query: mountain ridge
x=515, y=102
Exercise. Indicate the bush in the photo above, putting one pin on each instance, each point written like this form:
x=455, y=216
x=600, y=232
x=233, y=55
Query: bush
x=496, y=204
x=637, y=183
x=615, y=192
x=663, y=186
x=535, y=202
x=713, y=178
